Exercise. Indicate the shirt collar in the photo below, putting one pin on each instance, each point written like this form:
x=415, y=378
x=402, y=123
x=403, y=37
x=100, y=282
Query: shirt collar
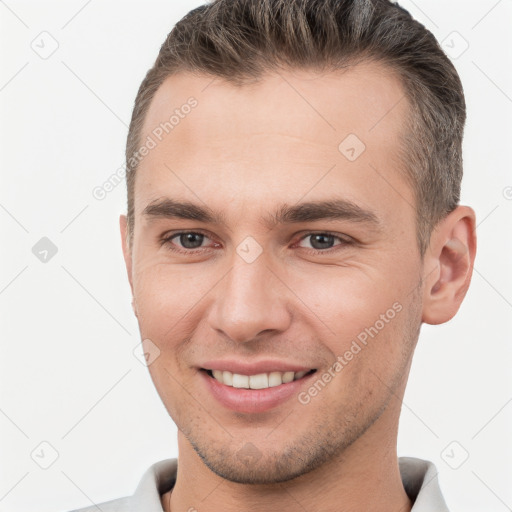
x=421, y=484
x=419, y=478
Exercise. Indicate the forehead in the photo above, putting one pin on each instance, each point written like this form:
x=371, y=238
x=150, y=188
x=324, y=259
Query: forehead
x=367, y=97
x=218, y=141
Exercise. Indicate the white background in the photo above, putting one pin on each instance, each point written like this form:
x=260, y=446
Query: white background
x=68, y=373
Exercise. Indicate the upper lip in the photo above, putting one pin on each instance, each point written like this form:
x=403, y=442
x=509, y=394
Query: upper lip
x=253, y=368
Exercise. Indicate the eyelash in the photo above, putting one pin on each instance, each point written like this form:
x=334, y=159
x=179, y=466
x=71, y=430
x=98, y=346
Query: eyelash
x=166, y=240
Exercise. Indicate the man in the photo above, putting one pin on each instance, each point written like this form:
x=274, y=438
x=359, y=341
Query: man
x=293, y=218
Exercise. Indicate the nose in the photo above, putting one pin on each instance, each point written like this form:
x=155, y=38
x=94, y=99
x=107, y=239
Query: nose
x=249, y=301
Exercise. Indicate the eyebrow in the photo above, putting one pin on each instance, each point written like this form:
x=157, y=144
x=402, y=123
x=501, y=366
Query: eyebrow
x=333, y=209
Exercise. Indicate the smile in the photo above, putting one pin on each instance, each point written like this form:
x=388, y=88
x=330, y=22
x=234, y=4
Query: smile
x=258, y=381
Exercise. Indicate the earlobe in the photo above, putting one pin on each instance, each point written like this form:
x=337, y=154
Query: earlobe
x=448, y=265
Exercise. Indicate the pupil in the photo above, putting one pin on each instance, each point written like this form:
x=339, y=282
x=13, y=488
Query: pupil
x=321, y=237
x=187, y=240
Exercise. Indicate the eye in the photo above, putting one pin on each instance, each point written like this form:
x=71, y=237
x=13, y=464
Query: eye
x=322, y=242
x=188, y=240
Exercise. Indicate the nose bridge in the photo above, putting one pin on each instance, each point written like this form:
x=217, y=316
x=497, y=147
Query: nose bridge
x=249, y=300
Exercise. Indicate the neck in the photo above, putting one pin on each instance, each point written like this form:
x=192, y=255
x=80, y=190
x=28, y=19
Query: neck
x=365, y=477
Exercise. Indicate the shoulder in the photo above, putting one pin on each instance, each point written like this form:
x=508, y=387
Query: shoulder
x=157, y=480
x=118, y=505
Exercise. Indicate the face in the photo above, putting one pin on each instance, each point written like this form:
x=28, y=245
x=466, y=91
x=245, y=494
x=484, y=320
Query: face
x=296, y=251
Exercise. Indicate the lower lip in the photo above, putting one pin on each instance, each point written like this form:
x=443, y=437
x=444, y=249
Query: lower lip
x=253, y=400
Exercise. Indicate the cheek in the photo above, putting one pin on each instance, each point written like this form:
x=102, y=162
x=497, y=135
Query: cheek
x=166, y=295
x=346, y=299
x=362, y=314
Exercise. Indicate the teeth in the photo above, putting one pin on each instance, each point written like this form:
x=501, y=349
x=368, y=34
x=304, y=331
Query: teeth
x=288, y=377
x=259, y=381
x=240, y=381
x=274, y=379
x=227, y=378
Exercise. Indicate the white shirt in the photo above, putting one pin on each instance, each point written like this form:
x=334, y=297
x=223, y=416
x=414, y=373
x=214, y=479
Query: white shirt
x=419, y=478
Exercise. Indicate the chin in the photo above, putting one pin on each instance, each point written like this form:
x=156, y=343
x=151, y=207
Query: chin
x=249, y=465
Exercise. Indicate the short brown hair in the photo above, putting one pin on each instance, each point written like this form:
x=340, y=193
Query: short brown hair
x=240, y=40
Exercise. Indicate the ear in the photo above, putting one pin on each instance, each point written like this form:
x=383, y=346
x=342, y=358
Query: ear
x=127, y=254
x=448, y=265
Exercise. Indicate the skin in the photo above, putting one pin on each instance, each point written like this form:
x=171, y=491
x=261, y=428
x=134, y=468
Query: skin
x=244, y=152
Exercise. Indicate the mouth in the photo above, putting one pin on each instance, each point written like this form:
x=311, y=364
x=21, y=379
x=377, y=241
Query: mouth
x=257, y=381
